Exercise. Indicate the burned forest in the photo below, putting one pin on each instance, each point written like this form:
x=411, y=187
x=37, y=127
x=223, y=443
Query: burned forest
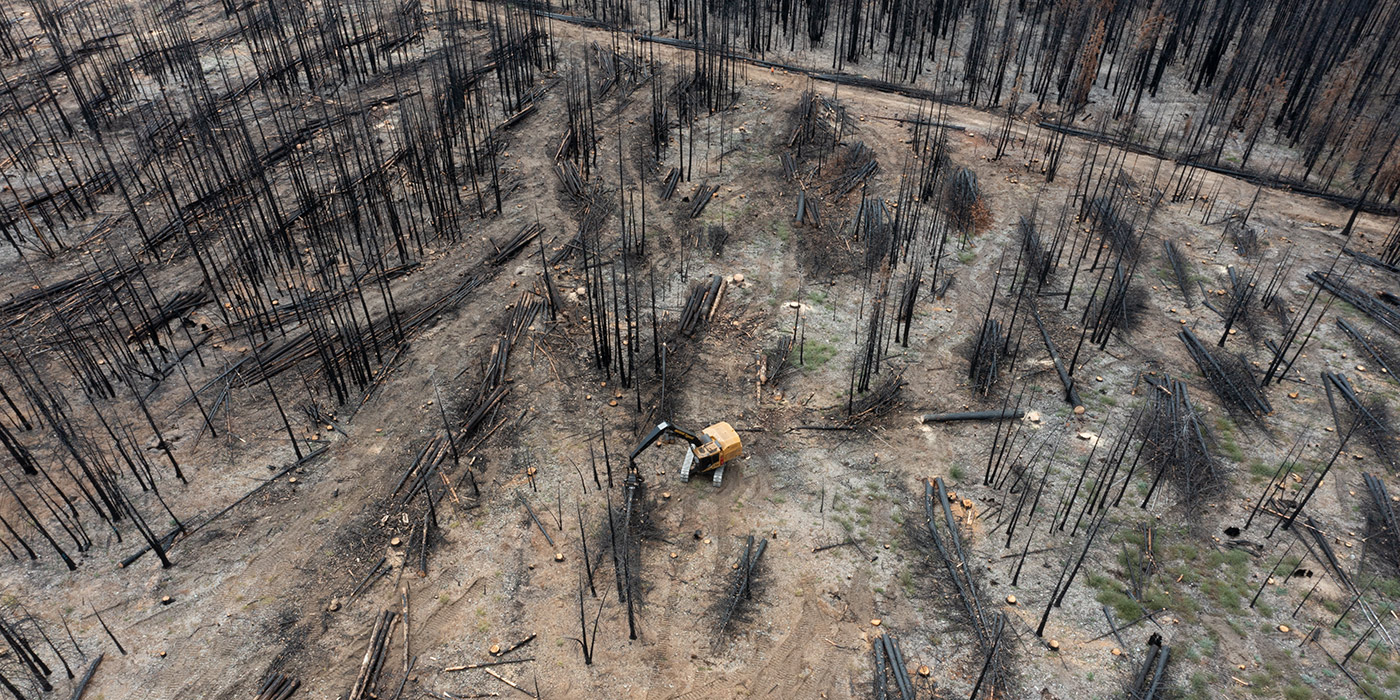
x=685, y=349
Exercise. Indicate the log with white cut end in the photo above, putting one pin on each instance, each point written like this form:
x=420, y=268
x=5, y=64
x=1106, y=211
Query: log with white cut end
x=1005, y=414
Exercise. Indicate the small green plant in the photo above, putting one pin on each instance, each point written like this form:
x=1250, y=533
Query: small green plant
x=966, y=256
x=781, y=228
x=956, y=473
x=1200, y=685
x=1378, y=659
x=1259, y=469
x=1235, y=625
x=1226, y=593
x=1225, y=434
x=1388, y=587
x=1112, y=595
x=1261, y=684
x=815, y=353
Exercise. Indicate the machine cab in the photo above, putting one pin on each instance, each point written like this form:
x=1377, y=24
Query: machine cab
x=723, y=446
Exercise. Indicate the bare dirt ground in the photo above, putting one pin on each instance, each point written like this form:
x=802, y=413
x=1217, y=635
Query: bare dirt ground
x=267, y=588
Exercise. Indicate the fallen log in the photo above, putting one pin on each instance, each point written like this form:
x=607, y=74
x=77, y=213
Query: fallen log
x=519, y=644
x=487, y=664
x=1003, y=414
x=245, y=497
x=87, y=677
x=1071, y=394
x=165, y=543
x=502, y=679
x=278, y=686
x=539, y=524
x=1377, y=352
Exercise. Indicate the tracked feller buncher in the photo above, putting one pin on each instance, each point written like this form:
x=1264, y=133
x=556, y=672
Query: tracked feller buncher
x=708, y=451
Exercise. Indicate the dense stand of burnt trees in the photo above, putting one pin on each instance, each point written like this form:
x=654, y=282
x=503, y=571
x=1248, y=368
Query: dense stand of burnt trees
x=295, y=163
x=1216, y=81
x=221, y=200
x=198, y=201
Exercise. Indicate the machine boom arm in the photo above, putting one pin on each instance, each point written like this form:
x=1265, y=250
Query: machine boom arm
x=663, y=428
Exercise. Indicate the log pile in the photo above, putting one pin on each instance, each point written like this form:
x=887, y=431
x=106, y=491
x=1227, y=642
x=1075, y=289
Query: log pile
x=808, y=210
x=819, y=122
x=884, y=398
x=985, y=360
x=1382, y=522
x=701, y=199
x=1230, y=377
x=962, y=200
x=700, y=305
x=735, y=605
x=1370, y=418
x=858, y=164
x=278, y=686
x=1180, y=271
x=507, y=250
x=1174, y=442
x=1387, y=315
x=367, y=680
x=890, y=665
x=1149, y=681
x=1386, y=359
